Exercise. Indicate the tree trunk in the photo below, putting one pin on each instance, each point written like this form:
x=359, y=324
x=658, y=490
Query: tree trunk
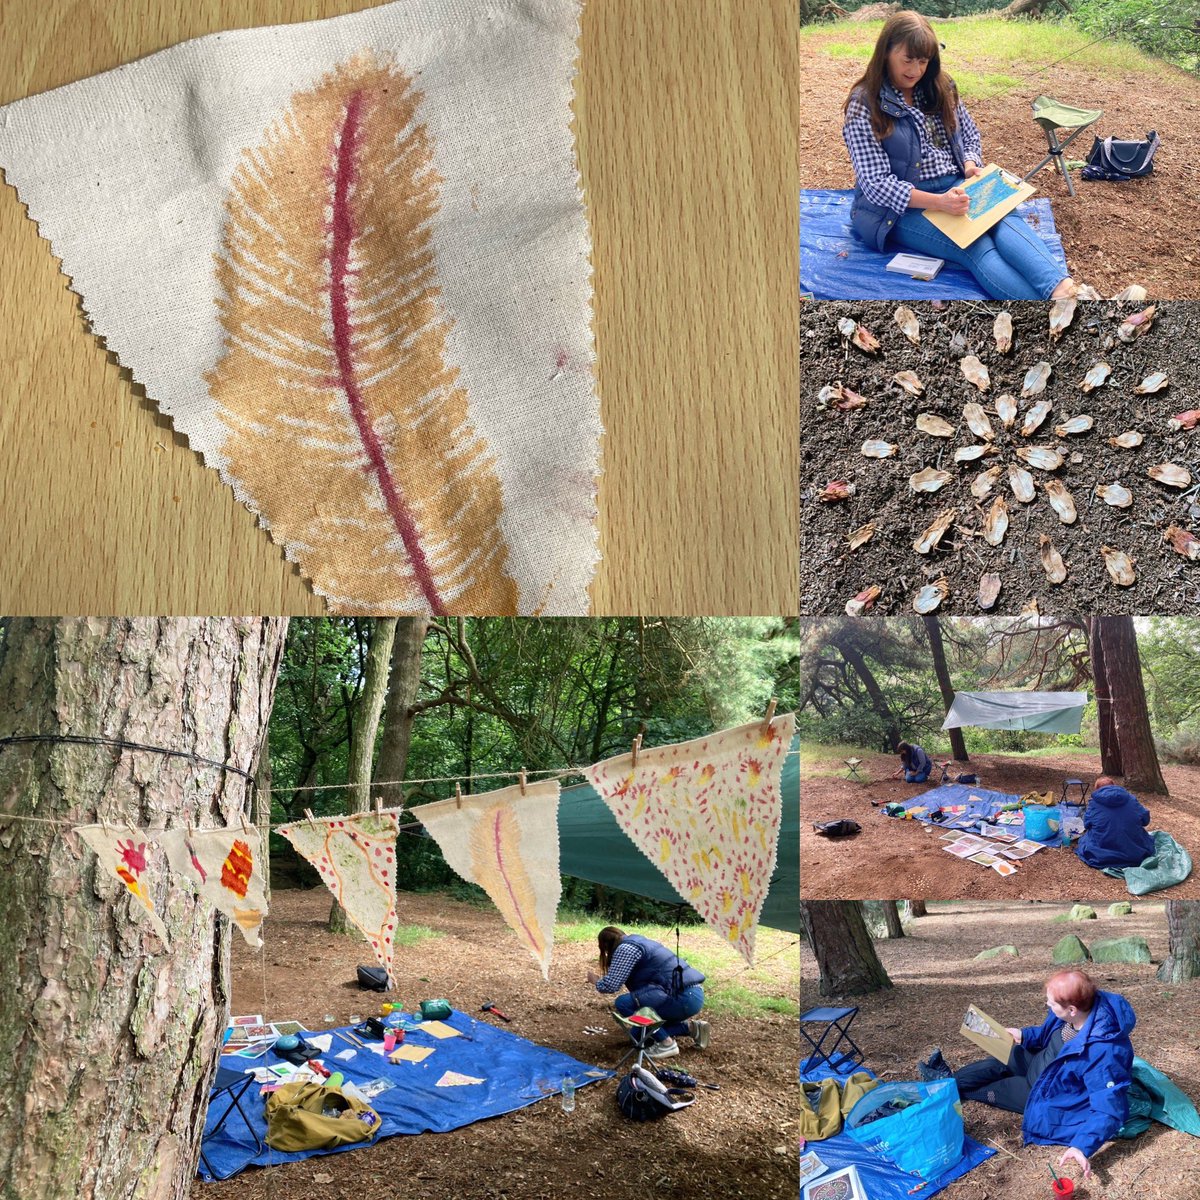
x=403, y=684
x=261, y=811
x=879, y=702
x=110, y=1039
x=1110, y=750
x=1131, y=718
x=958, y=747
x=891, y=915
x=845, y=953
x=916, y=908
x=1183, y=930
x=366, y=727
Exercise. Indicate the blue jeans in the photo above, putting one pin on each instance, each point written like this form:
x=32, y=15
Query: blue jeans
x=674, y=1010
x=1010, y=262
x=916, y=776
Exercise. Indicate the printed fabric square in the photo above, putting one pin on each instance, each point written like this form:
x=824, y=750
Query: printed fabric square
x=349, y=259
x=225, y=867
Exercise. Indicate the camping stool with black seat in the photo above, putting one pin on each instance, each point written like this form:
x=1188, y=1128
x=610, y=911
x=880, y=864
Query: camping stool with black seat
x=641, y=1030
x=232, y=1084
x=831, y=1019
x=1067, y=786
x=1053, y=116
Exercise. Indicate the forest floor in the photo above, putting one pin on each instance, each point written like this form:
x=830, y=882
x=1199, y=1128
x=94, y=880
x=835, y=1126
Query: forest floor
x=894, y=859
x=739, y=1141
x=935, y=980
x=831, y=573
x=1114, y=234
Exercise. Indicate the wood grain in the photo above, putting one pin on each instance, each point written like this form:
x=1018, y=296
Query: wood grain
x=686, y=112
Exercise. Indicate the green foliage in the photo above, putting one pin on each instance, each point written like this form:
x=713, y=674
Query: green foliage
x=410, y=935
x=1168, y=29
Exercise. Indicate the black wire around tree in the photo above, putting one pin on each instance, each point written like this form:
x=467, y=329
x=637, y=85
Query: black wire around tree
x=80, y=740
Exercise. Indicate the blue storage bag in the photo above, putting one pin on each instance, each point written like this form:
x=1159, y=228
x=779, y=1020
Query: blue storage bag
x=924, y=1139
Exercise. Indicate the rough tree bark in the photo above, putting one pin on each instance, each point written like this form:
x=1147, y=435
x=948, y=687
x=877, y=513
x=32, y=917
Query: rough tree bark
x=1110, y=747
x=109, y=1039
x=362, y=742
x=846, y=956
x=1131, y=717
x=916, y=908
x=958, y=747
x=1183, y=930
x=260, y=814
x=850, y=652
x=403, y=684
x=891, y=916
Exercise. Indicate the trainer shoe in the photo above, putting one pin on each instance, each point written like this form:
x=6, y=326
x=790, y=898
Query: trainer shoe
x=934, y=1066
x=698, y=1032
x=667, y=1049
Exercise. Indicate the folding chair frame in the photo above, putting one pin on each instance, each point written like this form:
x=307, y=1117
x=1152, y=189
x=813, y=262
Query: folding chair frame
x=235, y=1090
x=840, y=1022
x=1057, y=154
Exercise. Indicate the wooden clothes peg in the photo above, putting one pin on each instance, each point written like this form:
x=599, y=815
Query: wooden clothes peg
x=311, y=819
x=457, y=796
x=770, y=715
x=637, y=745
x=522, y=781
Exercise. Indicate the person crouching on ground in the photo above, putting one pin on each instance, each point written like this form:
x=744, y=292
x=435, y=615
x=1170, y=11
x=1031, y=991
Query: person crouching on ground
x=655, y=978
x=1114, y=825
x=1069, y=1076
x=915, y=764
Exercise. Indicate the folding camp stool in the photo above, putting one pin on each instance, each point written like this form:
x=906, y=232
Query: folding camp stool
x=643, y=1035
x=1052, y=116
x=231, y=1084
x=832, y=1019
x=1067, y=786
x=854, y=764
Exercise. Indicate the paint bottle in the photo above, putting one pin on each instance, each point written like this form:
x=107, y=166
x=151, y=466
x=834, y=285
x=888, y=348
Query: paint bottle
x=568, y=1095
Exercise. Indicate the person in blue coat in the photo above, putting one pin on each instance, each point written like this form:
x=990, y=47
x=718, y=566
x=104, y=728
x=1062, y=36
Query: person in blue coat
x=1070, y=1075
x=1114, y=828
x=655, y=978
x=915, y=764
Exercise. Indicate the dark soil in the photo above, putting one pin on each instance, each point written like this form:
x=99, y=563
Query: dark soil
x=935, y=979
x=737, y=1142
x=893, y=858
x=831, y=574
x=1114, y=234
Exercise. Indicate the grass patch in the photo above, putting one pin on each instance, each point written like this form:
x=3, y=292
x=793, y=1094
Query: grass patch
x=410, y=935
x=844, y=50
x=976, y=85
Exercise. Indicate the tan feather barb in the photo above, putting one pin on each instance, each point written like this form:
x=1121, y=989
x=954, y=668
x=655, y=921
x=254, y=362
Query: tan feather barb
x=496, y=856
x=347, y=429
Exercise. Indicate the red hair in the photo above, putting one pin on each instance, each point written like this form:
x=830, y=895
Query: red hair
x=1072, y=987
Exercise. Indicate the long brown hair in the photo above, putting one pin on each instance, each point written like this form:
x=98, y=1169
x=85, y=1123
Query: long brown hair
x=610, y=937
x=935, y=93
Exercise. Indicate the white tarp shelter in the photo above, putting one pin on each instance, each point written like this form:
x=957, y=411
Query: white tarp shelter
x=1043, y=712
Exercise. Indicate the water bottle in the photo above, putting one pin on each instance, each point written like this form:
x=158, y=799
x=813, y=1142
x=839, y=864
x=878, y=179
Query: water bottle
x=568, y=1095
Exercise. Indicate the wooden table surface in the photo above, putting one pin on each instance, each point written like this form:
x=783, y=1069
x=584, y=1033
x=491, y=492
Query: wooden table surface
x=686, y=116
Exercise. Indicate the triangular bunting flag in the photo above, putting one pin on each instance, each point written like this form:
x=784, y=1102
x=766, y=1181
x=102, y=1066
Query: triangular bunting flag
x=225, y=867
x=507, y=843
x=349, y=259
x=132, y=857
x=455, y=1079
x=707, y=814
x=356, y=858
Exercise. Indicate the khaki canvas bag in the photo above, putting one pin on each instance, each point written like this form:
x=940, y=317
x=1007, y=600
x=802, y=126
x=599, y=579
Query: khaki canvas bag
x=296, y=1120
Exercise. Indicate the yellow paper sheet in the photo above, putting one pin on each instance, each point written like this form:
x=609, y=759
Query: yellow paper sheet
x=439, y=1029
x=410, y=1053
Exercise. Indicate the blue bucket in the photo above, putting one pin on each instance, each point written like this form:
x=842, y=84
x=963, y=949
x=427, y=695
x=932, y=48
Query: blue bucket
x=1041, y=824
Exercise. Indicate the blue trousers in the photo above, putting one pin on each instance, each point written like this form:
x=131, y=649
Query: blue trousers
x=674, y=1010
x=1010, y=262
x=915, y=777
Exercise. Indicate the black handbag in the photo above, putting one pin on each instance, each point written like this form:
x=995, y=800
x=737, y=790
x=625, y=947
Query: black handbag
x=1116, y=159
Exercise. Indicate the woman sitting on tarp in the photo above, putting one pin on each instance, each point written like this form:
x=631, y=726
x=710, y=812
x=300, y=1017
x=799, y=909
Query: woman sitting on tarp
x=912, y=143
x=1114, y=828
x=1070, y=1076
x=656, y=978
x=915, y=764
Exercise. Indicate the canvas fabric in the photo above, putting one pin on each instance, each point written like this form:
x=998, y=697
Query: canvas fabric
x=707, y=814
x=225, y=867
x=1046, y=712
x=133, y=857
x=507, y=842
x=349, y=259
x=356, y=859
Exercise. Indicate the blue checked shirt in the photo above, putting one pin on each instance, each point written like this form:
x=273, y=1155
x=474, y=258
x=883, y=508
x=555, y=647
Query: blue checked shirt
x=871, y=166
x=625, y=958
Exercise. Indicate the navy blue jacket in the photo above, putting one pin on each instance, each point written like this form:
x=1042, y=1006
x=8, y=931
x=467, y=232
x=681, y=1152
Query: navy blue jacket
x=918, y=761
x=1081, y=1098
x=1114, y=824
x=874, y=222
x=657, y=966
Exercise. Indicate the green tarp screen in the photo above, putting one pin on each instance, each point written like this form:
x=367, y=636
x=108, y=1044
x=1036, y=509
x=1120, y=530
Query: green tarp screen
x=1042, y=712
x=594, y=847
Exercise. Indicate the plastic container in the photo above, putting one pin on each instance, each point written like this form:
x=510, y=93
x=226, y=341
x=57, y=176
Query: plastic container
x=389, y=1041
x=1042, y=824
x=1064, y=1187
x=568, y=1095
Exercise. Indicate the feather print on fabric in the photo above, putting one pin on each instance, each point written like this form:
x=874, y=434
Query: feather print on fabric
x=507, y=843
x=335, y=342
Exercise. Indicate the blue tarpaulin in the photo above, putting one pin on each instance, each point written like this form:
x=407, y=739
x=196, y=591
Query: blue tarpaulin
x=836, y=264
x=981, y=805
x=515, y=1073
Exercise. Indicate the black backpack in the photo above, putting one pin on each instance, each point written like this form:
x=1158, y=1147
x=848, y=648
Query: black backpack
x=372, y=979
x=642, y=1097
x=835, y=829
x=1116, y=160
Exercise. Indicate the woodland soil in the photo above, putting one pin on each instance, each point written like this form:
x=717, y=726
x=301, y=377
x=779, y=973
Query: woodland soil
x=1114, y=234
x=831, y=443
x=901, y=859
x=736, y=1142
x=935, y=980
